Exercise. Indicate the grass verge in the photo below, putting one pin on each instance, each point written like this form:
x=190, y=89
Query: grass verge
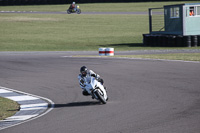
x=7, y=108
x=58, y=32
x=174, y=56
x=171, y=56
x=53, y=32
x=97, y=7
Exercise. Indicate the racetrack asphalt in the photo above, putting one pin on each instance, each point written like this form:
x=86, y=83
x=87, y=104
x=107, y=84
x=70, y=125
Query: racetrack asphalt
x=146, y=96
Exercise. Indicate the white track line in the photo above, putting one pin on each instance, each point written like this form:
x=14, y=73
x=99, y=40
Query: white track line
x=22, y=98
x=34, y=106
x=5, y=91
x=20, y=118
x=26, y=96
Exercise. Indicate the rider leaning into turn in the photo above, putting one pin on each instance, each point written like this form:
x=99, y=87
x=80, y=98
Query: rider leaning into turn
x=72, y=6
x=84, y=73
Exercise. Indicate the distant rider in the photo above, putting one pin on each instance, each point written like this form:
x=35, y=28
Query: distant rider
x=84, y=73
x=72, y=6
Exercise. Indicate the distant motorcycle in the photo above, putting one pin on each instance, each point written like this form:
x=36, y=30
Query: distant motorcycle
x=75, y=10
x=94, y=88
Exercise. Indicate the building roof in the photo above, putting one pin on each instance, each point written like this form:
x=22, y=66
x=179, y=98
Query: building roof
x=183, y=4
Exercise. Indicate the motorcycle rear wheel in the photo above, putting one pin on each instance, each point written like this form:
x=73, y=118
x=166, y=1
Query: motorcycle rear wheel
x=100, y=97
x=68, y=11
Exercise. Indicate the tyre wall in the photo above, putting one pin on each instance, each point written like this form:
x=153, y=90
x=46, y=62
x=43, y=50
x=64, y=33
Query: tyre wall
x=171, y=40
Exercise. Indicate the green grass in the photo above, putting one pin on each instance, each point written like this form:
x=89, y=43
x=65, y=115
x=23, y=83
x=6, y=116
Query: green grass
x=174, y=56
x=7, y=108
x=63, y=32
x=36, y=32
x=97, y=7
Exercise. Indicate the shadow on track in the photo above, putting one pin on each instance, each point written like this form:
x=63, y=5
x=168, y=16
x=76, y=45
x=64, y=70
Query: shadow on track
x=77, y=104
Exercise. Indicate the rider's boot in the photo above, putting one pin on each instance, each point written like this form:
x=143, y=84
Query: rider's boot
x=107, y=99
x=105, y=88
x=106, y=91
x=85, y=93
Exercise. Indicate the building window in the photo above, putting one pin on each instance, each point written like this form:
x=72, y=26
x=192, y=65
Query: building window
x=198, y=10
x=191, y=11
x=174, y=12
x=194, y=11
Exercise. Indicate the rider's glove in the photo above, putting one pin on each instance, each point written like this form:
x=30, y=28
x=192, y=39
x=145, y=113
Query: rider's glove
x=82, y=83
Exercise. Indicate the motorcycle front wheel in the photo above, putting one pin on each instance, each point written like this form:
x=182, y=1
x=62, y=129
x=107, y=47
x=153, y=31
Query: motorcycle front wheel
x=78, y=11
x=100, y=97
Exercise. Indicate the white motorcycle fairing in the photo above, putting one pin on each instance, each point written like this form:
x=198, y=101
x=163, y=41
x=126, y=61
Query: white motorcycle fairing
x=94, y=88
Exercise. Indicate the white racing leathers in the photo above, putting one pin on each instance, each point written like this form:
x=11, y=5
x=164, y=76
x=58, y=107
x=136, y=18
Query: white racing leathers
x=89, y=74
x=93, y=87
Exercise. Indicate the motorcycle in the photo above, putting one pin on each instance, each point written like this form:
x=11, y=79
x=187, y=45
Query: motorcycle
x=94, y=88
x=75, y=10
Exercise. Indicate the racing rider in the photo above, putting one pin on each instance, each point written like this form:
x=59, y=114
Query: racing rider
x=84, y=72
x=72, y=6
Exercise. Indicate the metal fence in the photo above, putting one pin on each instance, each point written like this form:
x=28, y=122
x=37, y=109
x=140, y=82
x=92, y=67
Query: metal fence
x=156, y=20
